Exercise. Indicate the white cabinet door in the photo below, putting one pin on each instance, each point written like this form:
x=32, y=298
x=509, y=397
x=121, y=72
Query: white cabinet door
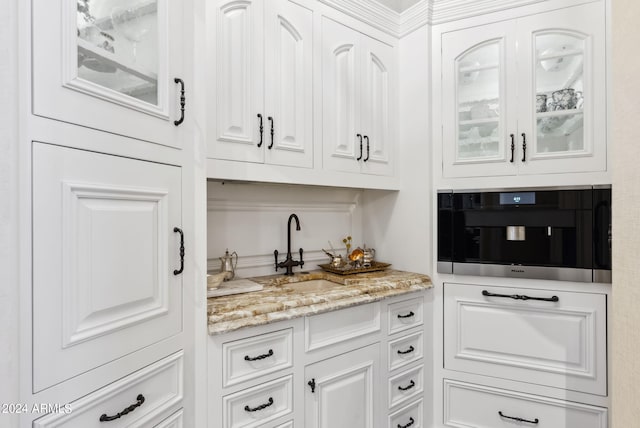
x=104, y=255
x=562, y=90
x=342, y=140
x=239, y=98
x=479, y=102
x=289, y=84
x=110, y=65
x=341, y=391
x=378, y=94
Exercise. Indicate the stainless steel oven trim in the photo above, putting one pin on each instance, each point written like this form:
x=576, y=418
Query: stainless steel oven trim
x=445, y=267
x=602, y=276
x=528, y=272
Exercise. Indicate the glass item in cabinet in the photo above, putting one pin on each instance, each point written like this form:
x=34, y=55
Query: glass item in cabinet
x=559, y=78
x=478, y=102
x=118, y=46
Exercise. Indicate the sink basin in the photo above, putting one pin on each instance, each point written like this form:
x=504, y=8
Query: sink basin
x=312, y=285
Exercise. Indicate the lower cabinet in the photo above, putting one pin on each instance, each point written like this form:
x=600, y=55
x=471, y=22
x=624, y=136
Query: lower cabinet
x=341, y=390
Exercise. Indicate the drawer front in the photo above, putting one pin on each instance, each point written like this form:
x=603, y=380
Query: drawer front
x=153, y=390
x=173, y=421
x=405, y=350
x=339, y=326
x=255, y=356
x=406, y=386
x=256, y=406
x=477, y=406
x=555, y=343
x=408, y=416
x=406, y=314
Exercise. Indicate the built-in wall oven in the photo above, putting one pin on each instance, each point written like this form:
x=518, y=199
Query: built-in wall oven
x=560, y=234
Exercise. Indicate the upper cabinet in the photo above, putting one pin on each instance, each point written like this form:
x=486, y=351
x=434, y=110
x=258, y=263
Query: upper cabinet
x=112, y=65
x=263, y=100
x=526, y=96
x=357, y=92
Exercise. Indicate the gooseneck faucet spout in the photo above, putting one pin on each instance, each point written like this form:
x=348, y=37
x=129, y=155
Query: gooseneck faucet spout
x=289, y=263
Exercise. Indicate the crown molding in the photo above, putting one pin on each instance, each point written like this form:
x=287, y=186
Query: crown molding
x=415, y=17
x=453, y=10
x=371, y=12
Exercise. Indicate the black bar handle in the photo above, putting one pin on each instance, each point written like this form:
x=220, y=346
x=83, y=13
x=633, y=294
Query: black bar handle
x=513, y=147
x=179, y=271
x=260, y=407
x=270, y=119
x=312, y=384
x=408, y=387
x=534, y=422
x=131, y=408
x=359, y=136
x=259, y=357
x=183, y=101
x=409, y=315
x=261, y=130
x=521, y=297
x=524, y=147
x=411, y=422
x=408, y=351
x=367, y=158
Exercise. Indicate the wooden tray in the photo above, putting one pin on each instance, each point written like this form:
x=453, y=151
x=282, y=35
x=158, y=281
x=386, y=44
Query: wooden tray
x=348, y=270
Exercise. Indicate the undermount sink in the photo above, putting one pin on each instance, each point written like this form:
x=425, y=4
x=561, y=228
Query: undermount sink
x=312, y=285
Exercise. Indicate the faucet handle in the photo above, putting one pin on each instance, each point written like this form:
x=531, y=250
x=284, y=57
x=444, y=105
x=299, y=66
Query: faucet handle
x=275, y=254
x=301, y=261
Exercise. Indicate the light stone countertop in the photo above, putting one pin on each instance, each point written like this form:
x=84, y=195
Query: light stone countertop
x=278, y=302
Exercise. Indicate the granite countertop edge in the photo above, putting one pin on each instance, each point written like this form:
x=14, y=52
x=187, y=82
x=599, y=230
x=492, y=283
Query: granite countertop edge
x=276, y=302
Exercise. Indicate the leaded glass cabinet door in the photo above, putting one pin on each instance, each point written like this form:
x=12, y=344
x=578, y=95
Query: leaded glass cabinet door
x=562, y=98
x=478, y=101
x=110, y=65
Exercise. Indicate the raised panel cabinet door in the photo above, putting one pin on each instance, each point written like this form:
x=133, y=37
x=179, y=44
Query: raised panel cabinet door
x=478, y=98
x=378, y=99
x=342, y=141
x=289, y=84
x=104, y=255
x=340, y=391
x=111, y=65
x=562, y=90
x=239, y=124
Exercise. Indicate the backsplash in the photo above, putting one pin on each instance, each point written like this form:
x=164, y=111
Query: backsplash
x=251, y=219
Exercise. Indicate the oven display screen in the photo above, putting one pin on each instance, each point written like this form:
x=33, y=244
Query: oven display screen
x=518, y=198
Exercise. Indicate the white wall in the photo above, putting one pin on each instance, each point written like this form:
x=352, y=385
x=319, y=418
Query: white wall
x=626, y=206
x=9, y=367
x=251, y=219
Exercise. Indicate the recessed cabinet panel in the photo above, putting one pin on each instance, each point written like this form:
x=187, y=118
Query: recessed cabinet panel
x=104, y=255
x=110, y=65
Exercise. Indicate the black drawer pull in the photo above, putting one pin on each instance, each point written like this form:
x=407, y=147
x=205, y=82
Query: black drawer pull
x=259, y=357
x=261, y=130
x=408, y=387
x=270, y=119
x=367, y=158
x=411, y=422
x=179, y=271
x=131, y=408
x=312, y=384
x=183, y=101
x=260, y=407
x=408, y=351
x=513, y=147
x=360, y=137
x=409, y=315
x=524, y=147
x=521, y=297
x=534, y=422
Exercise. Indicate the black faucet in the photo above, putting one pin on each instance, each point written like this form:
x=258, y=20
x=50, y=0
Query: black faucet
x=289, y=263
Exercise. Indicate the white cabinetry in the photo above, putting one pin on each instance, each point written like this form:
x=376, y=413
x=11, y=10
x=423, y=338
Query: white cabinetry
x=357, y=94
x=110, y=66
x=262, y=94
x=526, y=96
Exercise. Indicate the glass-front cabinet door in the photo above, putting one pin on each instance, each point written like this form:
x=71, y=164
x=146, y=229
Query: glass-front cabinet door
x=110, y=65
x=562, y=100
x=478, y=122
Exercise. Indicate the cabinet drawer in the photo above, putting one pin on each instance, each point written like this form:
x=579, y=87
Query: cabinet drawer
x=555, y=343
x=256, y=406
x=338, y=326
x=477, y=406
x=156, y=388
x=408, y=416
x=406, y=314
x=405, y=386
x=256, y=356
x=405, y=350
